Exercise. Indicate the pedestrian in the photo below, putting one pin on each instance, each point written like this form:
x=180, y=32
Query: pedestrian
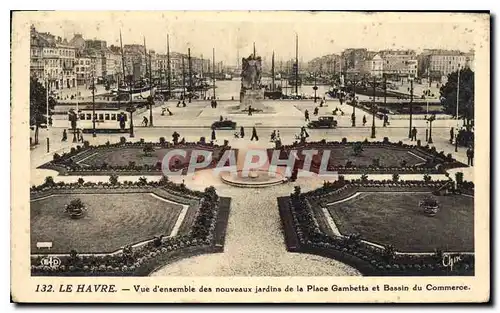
x=221, y=118
x=169, y=113
x=273, y=135
x=278, y=136
x=386, y=120
x=163, y=111
x=81, y=136
x=321, y=103
x=242, y=132
x=178, y=103
x=213, y=135
x=144, y=121
x=364, y=120
x=249, y=110
x=470, y=156
x=64, y=136
x=175, y=137
x=452, y=135
x=316, y=110
x=183, y=104
x=254, y=134
x=306, y=115
x=353, y=119
x=414, y=134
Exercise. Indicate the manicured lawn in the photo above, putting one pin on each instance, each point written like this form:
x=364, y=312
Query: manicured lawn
x=122, y=157
x=111, y=221
x=388, y=157
x=396, y=218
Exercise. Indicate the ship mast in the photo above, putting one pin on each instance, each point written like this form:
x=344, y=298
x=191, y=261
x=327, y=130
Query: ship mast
x=296, y=64
x=272, y=72
x=168, y=68
x=213, y=68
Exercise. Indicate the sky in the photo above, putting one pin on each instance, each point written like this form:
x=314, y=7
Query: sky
x=232, y=33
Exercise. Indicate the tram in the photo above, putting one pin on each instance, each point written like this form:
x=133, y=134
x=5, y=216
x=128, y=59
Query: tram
x=107, y=120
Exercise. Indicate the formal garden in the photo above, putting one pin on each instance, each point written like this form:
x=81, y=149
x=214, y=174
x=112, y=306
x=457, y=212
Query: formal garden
x=122, y=228
x=128, y=158
x=387, y=227
x=364, y=157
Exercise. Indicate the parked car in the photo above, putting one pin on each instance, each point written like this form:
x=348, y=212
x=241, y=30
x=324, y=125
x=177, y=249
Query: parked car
x=323, y=122
x=226, y=124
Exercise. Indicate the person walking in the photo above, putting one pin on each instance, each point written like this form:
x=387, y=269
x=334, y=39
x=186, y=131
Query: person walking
x=179, y=103
x=213, y=135
x=306, y=115
x=452, y=135
x=64, y=136
x=221, y=118
x=242, y=132
x=364, y=120
x=249, y=110
x=183, y=104
x=386, y=120
x=414, y=134
x=273, y=135
x=254, y=134
x=470, y=156
x=316, y=110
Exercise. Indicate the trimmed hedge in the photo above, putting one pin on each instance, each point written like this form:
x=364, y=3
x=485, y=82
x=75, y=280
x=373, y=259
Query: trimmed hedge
x=303, y=234
x=207, y=235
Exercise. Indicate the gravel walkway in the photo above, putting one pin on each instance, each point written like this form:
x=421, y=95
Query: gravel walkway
x=255, y=243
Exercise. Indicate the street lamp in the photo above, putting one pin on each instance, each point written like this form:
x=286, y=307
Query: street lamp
x=315, y=87
x=131, y=110
x=374, y=109
x=353, y=118
x=458, y=101
x=411, y=105
x=431, y=119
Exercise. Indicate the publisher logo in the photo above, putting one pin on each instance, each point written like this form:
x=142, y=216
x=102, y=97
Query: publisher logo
x=51, y=261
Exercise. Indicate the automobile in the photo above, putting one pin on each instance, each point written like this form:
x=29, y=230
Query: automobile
x=226, y=124
x=323, y=122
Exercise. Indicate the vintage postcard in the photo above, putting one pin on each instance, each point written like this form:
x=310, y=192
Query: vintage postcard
x=250, y=156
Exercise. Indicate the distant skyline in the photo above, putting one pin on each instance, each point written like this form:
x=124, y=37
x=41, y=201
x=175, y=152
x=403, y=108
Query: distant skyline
x=233, y=33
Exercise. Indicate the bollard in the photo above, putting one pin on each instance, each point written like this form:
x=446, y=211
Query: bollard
x=48, y=145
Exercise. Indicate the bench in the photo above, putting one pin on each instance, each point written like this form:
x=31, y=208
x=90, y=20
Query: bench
x=44, y=245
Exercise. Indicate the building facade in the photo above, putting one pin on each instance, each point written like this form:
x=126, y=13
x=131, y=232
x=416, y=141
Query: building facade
x=440, y=63
x=400, y=63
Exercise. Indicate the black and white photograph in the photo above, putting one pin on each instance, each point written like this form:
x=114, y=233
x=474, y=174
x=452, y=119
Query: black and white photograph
x=344, y=149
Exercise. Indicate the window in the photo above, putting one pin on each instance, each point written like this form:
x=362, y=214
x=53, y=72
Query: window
x=82, y=116
x=101, y=117
x=106, y=116
x=113, y=117
x=89, y=116
x=95, y=116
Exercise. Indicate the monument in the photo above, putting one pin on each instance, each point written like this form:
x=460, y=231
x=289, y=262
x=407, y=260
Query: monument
x=251, y=92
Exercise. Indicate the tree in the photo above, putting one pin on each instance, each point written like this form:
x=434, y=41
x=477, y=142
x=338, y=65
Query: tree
x=38, y=105
x=466, y=95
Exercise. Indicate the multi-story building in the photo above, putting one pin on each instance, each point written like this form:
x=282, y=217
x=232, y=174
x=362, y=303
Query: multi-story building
x=399, y=63
x=83, y=69
x=329, y=64
x=373, y=65
x=353, y=59
x=67, y=55
x=51, y=60
x=437, y=63
x=135, y=61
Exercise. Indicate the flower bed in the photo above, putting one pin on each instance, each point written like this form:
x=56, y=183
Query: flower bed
x=70, y=163
x=304, y=233
x=206, y=235
x=433, y=162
